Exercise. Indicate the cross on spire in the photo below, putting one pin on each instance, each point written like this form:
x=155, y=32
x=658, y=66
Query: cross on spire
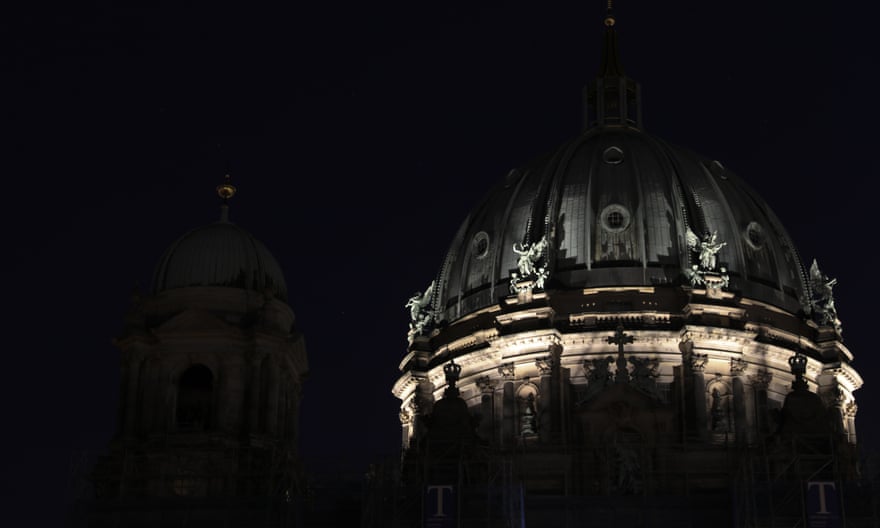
x=620, y=339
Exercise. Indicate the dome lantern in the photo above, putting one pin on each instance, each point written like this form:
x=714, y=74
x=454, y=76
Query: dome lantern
x=612, y=99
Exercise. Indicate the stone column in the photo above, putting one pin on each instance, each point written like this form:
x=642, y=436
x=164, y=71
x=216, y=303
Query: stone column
x=422, y=405
x=697, y=365
x=406, y=416
x=253, y=392
x=487, y=408
x=760, y=382
x=272, y=399
x=132, y=389
x=737, y=368
x=545, y=402
x=551, y=394
x=292, y=424
x=508, y=405
x=849, y=413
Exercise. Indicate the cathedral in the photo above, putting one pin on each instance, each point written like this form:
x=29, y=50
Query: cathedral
x=621, y=333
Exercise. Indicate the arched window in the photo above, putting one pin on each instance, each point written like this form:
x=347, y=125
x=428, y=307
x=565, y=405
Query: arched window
x=195, y=394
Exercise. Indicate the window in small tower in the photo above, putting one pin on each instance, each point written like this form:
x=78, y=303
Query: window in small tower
x=195, y=393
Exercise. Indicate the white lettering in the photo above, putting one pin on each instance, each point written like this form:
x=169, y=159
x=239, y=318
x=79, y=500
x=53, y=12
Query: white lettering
x=439, y=489
x=823, y=506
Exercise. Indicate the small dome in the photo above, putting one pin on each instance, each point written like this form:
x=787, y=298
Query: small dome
x=219, y=254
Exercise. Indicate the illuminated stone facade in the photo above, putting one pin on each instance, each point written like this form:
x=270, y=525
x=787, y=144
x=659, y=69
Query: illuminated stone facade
x=630, y=327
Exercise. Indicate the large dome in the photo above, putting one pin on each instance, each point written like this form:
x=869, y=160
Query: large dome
x=219, y=254
x=621, y=293
x=616, y=205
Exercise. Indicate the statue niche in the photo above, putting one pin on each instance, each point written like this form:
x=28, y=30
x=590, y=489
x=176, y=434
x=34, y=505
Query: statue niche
x=719, y=402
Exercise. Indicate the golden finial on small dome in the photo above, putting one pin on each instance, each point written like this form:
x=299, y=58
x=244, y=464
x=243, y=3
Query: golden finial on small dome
x=226, y=190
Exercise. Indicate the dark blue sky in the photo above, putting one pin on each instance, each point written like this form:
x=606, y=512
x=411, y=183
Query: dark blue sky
x=359, y=137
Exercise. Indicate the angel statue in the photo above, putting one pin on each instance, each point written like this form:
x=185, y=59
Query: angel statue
x=418, y=313
x=529, y=254
x=529, y=275
x=823, y=298
x=708, y=247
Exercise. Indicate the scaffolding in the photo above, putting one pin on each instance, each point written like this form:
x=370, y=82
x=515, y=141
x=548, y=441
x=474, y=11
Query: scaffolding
x=188, y=486
x=686, y=484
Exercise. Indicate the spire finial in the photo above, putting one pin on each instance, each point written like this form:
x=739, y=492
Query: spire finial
x=225, y=191
x=610, y=66
x=609, y=14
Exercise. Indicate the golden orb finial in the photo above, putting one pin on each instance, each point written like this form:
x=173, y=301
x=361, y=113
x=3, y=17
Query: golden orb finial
x=609, y=14
x=226, y=190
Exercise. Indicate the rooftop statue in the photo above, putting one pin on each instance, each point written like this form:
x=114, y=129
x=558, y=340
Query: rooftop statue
x=822, y=302
x=707, y=247
x=527, y=264
x=420, y=315
x=707, y=272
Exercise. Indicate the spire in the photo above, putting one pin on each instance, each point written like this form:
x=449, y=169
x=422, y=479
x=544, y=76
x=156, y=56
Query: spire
x=610, y=65
x=225, y=191
x=612, y=99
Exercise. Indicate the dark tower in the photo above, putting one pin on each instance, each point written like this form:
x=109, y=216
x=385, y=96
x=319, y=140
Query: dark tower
x=212, y=369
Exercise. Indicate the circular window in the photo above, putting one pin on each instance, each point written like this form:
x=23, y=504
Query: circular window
x=612, y=156
x=615, y=218
x=755, y=236
x=480, y=245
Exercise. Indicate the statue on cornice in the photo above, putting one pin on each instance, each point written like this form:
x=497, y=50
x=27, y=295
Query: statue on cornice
x=707, y=247
x=420, y=315
x=527, y=264
x=822, y=302
x=706, y=272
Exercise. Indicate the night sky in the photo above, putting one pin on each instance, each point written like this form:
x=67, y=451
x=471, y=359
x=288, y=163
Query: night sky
x=359, y=136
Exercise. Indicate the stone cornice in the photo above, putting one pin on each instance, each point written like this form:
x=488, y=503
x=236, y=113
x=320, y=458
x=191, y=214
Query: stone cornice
x=405, y=385
x=538, y=313
x=723, y=310
x=595, y=318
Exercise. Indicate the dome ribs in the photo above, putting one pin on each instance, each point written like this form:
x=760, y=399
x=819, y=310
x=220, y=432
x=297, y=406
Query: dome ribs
x=501, y=275
x=616, y=204
x=677, y=187
x=219, y=254
x=733, y=239
x=638, y=213
x=553, y=203
x=788, y=249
